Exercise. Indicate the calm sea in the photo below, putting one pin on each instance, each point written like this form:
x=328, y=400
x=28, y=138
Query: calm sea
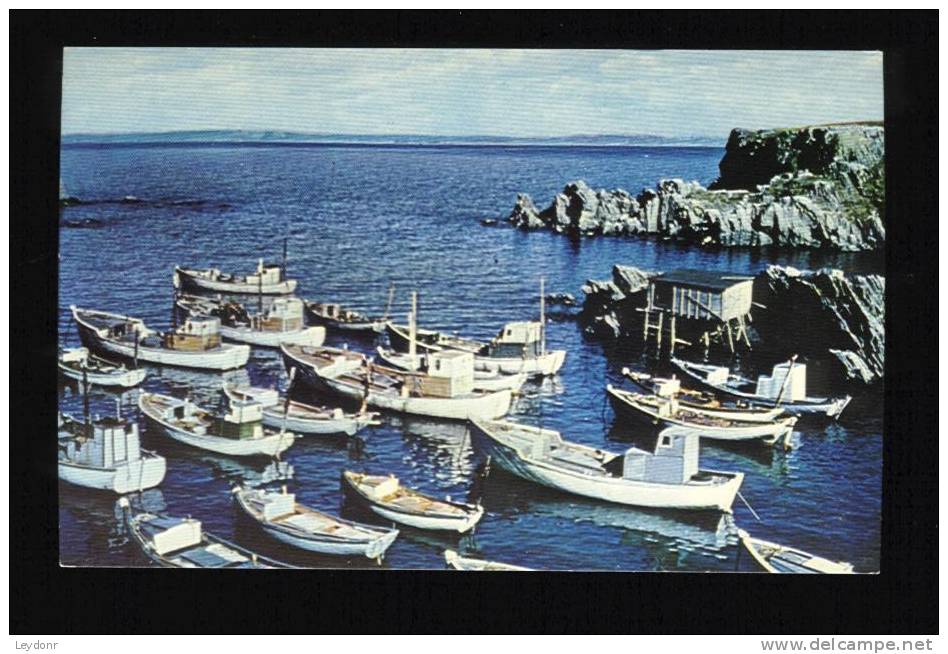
x=360, y=218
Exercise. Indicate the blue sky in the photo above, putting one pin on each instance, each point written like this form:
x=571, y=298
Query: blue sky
x=464, y=92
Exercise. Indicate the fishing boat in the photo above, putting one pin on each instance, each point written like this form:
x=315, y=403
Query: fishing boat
x=334, y=316
x=195, y=344
x=446, y=391
x=483, y=380
x=106, y=454
x=299, y=417
x=706, y=403
x=654, y=410
x=285, y=519
x=388, y=498
x=666, y=478
x=788, y=560
x=77, y=363
x=182, y=543
x=458, y=562
x=238, y=432
x=268, y=279
x=280, y=322
x=785, y=387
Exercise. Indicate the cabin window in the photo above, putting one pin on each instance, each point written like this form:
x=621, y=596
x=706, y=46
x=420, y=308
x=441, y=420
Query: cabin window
x=509, y=332
x=666, y=441
x=437, y=364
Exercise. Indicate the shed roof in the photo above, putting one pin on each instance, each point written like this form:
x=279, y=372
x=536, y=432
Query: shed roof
x=701, y=278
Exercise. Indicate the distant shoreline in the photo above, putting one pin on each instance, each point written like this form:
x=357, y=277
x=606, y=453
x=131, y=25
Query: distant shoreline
x=76, y=145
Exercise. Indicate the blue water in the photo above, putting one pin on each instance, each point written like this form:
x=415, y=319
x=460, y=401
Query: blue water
x=359, y=218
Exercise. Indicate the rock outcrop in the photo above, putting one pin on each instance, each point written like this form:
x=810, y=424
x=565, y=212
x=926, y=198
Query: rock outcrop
x=815, y=187
x=609, y=309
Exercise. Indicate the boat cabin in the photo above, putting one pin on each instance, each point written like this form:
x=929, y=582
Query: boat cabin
x=674, y=459
x=789, y=377
x=266, y=274
x=244, y=419
x=78, y=355
x=111, y=441
x=450, y=373
x=169, y=535
x=198, y=333
x=277, y=505
x=283, y=315
x=518, y=340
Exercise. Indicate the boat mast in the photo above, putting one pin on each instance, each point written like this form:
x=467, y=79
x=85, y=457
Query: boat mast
x=283, y=266
x=542, y=319
x=412, y=317
x=260, y=290
x=391, y=296
x=85, y=397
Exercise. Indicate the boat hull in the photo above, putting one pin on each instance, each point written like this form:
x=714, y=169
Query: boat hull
x=124, y=379
x=371, y=549
x=227, y=357
x=130, y=477
x=347, y=425
x=314, y=336
x=483, y=380
x=189, y=281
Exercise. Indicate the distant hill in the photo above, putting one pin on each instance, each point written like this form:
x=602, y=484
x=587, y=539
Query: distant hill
x=245, y=136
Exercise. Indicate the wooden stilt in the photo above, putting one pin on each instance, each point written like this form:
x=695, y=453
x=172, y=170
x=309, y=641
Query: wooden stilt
x=658, y=338
x=671, y=346
x=743, y=332
x=645, y=327
x=730, y=336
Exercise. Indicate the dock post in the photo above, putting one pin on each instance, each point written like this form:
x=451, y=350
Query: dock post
x=671, y=346
x=658, y=341
x=645, y=326
x=730, y=336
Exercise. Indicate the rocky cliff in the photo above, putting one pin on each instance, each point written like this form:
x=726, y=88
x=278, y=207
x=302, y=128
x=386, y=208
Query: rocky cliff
x=816, y=187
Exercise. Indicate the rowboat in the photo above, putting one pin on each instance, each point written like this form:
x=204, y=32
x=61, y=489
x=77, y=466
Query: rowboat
x=239, y=432
x=666, y=478
x=785, y=387
x=701, y=401
x=281, y=322
x=285, y=519
x=458, y=562
x=447, y=392
x=653, y=410
x=97, y=371
x=787, y=560
x=269, y=279
x=336, y=317
x=386, y=497
x=195, y=344
x=106, y=454
x=182, y=543
x=483, y=380
x=299, y=417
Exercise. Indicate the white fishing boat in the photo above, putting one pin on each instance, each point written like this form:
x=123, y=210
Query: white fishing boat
x=788, y=560
x=334, y=316
x=785, y=387
x=483, y=380
x=283, y=518
x=182, y=543
x=299, y=417
x=239, y=432
x=195, y=344
x=666, y=478
x=268, y=279
x=281, y=321
x=106, y=454
x=78, y=364
x=468, y=564
x=446, y=392
x=657, y=411
x=705, y=403
x=388, y=498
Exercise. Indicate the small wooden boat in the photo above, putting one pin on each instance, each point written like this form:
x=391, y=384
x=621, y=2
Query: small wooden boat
x=701, y=401
x=78, y=364
x=239, y=432
x=447, y=392
x=281, y=322
x=666, y=478
x=195, y=344
x=779, y=559
x=285, y=519
x=269, y=279
x=458, y=562
x=785, y=387
x=301, y=418
x=106, y=454
x=653, y=410
x=483, y=381
x=182, y=543
x=386, y=497
x=336, y=317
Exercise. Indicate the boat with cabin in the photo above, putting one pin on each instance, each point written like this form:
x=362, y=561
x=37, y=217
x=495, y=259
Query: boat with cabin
x=195, y=344
x=483, y=380
x=776, y=558
x=173, y=542
x=387, y=497
x=78, y=364
x=445, y=391
x=468, y=564
x=668, y=477
x=299, y=417
x=238, y=432
x=335, y=316
x=268, y=279
x=656, y=411
x=283, y=518
x=280, y=322
x=106, y=454
x=784, y=387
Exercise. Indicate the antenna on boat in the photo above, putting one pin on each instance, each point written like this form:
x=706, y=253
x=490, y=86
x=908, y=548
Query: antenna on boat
x=542, y=318
x=283, y=266
x=391, y=296
x=286, y=403
x=412, y=327
x=260, y=290
x=786, y=379
x=85, y=396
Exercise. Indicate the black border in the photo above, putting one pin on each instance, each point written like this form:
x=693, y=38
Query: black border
x=902, y=599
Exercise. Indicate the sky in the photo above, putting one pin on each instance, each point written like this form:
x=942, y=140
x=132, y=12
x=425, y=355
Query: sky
x=528, y=93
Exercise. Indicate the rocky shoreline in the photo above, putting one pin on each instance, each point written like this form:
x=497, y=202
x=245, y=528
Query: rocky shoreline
x=812, y=187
